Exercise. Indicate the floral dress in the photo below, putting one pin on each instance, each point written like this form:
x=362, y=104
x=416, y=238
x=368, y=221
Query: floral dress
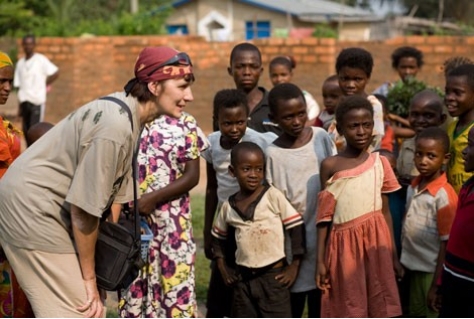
x=165, y=286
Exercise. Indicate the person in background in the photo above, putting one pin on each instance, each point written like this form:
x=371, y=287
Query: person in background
x=53, y=196
x=246, y=68
x=354, y=68
x=231, y=113
x=456, y=286
x=407, y=61
x=259, y=213
x=331, y=96
x=281, y=71
x=356, y=257
x=14, y=302
x=298, y=152
x=33, y=74
x=37, y=131
x=431, y=206
x=459, y=99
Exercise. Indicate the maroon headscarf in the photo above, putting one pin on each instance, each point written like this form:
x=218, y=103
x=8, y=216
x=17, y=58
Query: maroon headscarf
x=152, y=57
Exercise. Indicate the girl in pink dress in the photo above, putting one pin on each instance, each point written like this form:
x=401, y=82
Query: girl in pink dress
x=356, y=257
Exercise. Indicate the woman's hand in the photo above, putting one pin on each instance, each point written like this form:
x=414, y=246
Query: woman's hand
x=322, y=277
x=94, y=306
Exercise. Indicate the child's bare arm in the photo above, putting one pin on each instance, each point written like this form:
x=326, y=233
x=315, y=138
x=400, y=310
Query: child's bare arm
x=321, y=275
x=182, y=185
x=228, y=275
x=298, y=248
x=210, y=209
x=399, y=272
x=403, y=132
x=432, y=293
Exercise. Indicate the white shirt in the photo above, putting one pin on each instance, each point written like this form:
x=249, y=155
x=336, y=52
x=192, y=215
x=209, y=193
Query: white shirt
x=30, y=77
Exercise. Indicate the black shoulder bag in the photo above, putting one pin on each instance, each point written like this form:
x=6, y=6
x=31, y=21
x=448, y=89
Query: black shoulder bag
x=117, y=253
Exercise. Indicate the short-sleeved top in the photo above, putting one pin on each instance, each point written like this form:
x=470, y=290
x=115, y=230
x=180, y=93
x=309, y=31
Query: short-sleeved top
x=260, y=240
x=324, y=120
x=84, y=160
x=30, y=77
x=299, y=182
x=379, y=124
x=430, y=215
x=456, y=174
x=10, y=144
x=220, y=159
x=258, y=118
x=406, y=159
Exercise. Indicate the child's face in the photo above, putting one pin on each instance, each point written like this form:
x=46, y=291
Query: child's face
x=424, y=114
x=331, y=95
x=357, y=126
x=291, y=116
x=246, y=69
x=407, y=66
x=232, y=123
x=468, y=152
x=249, y=170
x=280, y=73
x=429, y=156
x=352, y=80
x=459, y=97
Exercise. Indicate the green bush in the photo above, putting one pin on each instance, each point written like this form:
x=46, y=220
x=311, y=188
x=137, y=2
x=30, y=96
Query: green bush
x=401, y=92
x=324, y=31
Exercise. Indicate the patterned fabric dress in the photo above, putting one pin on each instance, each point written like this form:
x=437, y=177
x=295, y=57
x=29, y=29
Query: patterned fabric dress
x=359, y=249
x=165, y=287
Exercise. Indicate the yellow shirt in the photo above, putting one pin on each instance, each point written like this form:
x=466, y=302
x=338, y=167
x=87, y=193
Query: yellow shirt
x=456, y=174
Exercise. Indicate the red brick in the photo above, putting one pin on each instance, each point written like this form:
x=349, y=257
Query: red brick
x=325, y=50
x=300, y=50
x=398, y=41
x=311, y=58
x=436, y=40
x=416, y=39
x=330, y=59
x=275, y=41
x=469, y=40
x=443, y=49
x=310, y=41
x=425, y=48
x=291, y=41
x=327, y=41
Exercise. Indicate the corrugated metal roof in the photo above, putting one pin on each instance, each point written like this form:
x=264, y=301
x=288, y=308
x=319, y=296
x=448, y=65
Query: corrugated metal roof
x=309, y=10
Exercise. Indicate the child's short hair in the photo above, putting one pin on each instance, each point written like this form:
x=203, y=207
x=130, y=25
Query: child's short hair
x=245, y=46
x=453, y=62
x=283, y=91
x=437, y=102
x=332, y=78
x=466, y=70
x=286, y=61
x=355, y=58
x=243, y=147
x=406, y=52
x=437, y=134
x=353, y=102
x=227, y=99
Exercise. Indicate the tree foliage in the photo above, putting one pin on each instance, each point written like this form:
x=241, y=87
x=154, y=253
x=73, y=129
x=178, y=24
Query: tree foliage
x=76, y=17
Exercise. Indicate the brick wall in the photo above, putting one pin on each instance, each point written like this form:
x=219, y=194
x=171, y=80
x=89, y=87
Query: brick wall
x=91, y=67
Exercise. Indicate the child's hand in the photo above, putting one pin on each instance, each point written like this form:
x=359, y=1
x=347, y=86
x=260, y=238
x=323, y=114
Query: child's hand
x=434, y=299
x=322, y=278
x=399, y=270
x=208, y=245
x=228, y=274
x=288, y=275
x=146, y=204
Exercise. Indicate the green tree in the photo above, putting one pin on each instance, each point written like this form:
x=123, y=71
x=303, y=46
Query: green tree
x=13, y=16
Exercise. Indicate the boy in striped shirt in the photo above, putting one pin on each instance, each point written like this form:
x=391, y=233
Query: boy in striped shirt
x=257, y=212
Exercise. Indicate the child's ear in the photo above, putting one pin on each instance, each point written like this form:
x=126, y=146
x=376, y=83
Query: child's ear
x=231, y=171
x=446, y=159
x=229, y=70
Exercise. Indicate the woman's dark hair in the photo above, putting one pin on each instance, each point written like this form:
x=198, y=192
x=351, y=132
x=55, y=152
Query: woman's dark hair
x=283, y=91
x=349, y=103
x=355, y=58
x=407, y=52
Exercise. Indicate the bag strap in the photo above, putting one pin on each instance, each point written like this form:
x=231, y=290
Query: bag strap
x=136, y=214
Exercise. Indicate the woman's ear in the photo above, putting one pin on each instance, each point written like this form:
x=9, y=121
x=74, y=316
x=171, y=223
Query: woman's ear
x=154, y=87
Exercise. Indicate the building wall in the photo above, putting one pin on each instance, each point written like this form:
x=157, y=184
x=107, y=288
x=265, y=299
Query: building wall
x=93, y=67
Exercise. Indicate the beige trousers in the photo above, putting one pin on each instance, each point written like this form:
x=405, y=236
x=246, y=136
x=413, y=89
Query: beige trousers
x=52, y=282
